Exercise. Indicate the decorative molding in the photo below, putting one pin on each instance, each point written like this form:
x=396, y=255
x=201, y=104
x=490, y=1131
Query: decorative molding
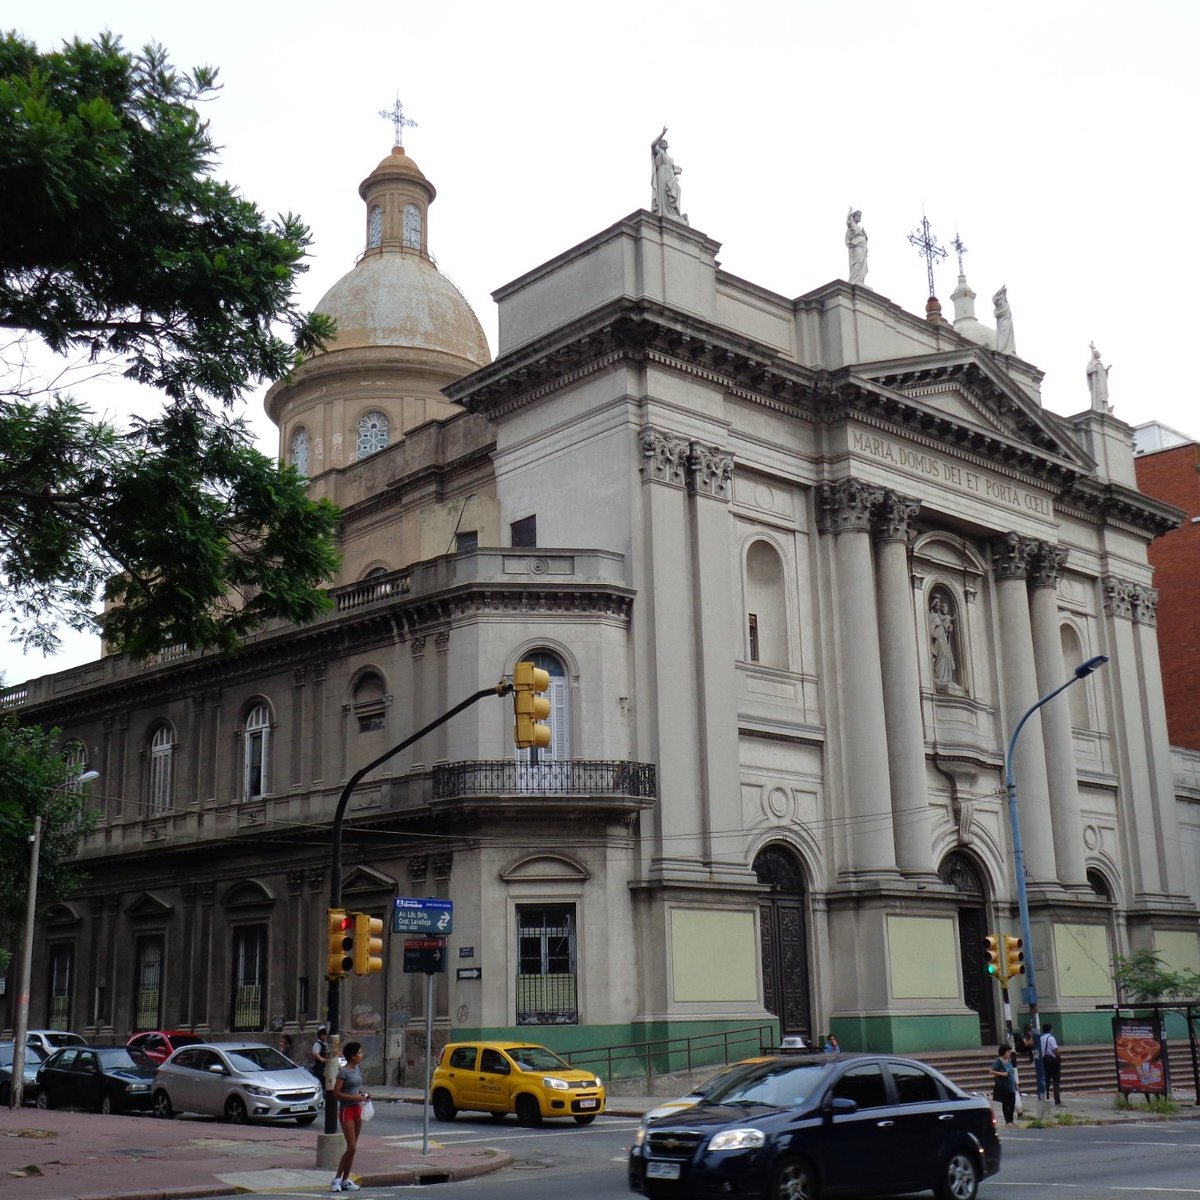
x=295, y=880
x=664, y=457
x=710, y=471
x=442, y=864
x=895, y=517
x=1011, y=554
x=1118, y=597
x=847, y=505
x=417, y=646
x=418, y=869
x=1145, y=604
x=1046, y=564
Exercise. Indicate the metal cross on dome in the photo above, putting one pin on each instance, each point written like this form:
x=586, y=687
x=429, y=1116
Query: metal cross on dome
x=960, y=249
x=927, y=248
x=395, y=114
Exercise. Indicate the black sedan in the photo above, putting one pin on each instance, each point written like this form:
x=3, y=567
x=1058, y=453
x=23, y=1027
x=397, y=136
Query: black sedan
x=799, y=1127
x=106, y=1078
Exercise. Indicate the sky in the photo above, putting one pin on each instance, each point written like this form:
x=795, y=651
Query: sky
x=1051, y=137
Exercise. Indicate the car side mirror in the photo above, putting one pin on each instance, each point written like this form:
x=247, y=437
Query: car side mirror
x=842, y=1106
x=216, y=1069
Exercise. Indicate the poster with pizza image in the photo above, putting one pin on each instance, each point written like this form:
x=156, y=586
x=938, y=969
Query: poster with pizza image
x=1141, y=1053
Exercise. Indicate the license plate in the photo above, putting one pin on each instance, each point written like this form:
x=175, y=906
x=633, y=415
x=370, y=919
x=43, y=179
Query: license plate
x=589, y=1104
x=657, y=1170
x=300, y=1108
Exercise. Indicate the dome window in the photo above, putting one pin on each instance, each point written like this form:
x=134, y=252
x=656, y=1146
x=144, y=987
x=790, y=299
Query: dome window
x=373, y=431
x=375, y=227
x=412, y=226
x=300, y=450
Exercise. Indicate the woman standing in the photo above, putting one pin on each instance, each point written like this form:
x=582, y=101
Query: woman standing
x=347, y=1091
x=1004, y=1081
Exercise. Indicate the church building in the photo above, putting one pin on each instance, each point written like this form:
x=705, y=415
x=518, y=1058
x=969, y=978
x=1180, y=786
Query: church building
x=795, y=567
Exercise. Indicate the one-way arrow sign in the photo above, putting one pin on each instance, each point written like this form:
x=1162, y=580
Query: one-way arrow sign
x=470, y=973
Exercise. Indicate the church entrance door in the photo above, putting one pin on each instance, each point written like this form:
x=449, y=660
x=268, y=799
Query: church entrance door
x=978, y=992
x=784, y=940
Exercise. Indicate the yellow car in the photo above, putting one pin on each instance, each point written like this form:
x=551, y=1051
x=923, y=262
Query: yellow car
x=513, y=1077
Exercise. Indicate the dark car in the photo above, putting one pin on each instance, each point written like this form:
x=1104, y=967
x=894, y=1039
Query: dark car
x=106, y=1078
x=33, y=1060
x=797, y=1127
x=159, y=1044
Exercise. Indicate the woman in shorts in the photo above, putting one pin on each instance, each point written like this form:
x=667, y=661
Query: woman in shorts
x=350, y=1097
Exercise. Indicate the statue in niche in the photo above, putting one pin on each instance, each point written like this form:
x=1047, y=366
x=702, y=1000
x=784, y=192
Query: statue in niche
x=941, y=641
x=1006, y=343
x=1097, y=377
x=856, y=244
x=664, y=180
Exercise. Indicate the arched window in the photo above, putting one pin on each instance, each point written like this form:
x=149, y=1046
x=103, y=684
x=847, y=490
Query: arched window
x=942, y=620
x=374, y=227
x=1077, y=697
x=370, y=701
x=256, y=753
x=412, y=226
x=160, y=779
x=560, y=720
x=300, y=450
x=766, y=607
x=373, y=430
x=1099, y=885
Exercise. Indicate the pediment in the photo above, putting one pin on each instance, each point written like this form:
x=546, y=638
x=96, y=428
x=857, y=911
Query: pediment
x=248, y=893
x=366, y=879
x=61, y=914
x=148, y=905
x=544, y=868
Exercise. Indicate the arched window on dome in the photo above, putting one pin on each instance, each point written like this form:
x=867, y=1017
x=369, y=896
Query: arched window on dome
x=300, y=450
x=374, y=227
x=412, y=226
x=373, y=430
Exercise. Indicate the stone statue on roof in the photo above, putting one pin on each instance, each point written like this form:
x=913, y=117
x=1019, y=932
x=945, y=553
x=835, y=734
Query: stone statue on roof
x=1006, y=343
x=856, y=244
x=664, y=181
x=1097, y=377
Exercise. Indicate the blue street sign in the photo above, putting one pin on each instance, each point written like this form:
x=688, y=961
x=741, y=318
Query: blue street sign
x=422, y=915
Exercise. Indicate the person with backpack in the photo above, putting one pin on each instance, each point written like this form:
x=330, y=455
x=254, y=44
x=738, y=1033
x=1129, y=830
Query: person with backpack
x=1052, y=1064
x=319, y=1051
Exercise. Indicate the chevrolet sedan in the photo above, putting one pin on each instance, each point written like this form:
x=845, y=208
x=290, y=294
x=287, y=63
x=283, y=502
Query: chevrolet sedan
x=240, y=1081
x=796, y=1128
x=106, y=1078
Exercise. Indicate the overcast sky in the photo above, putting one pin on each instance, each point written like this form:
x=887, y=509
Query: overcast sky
x=1058, y=140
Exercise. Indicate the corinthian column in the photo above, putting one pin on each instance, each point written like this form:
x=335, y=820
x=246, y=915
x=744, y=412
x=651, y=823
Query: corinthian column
x=1010, y=564
x=1045, y=569
x=911, y=831
x=846, y=509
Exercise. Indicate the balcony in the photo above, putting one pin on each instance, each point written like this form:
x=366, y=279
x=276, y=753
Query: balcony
x=617, y=788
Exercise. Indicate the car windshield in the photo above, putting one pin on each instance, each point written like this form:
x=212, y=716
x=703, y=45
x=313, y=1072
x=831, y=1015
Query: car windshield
x=33, y=1054
x=64, y=1039
x=117, y=1058
x=775, y=1084
x=536, y=1058
x=258, y=1058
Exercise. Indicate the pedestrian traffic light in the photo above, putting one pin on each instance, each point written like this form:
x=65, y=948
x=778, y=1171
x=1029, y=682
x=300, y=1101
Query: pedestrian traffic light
x=530, y=708
x=368, y=944
x=991, y=949
x=341, y=943
x=1014, y=957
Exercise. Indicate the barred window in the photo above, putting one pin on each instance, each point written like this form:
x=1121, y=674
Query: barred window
x=249, y=1001
x=412, y=226
x=148, y=983
x=58, y=994
x=373, y=430
x=374, y=227
x=546, y=991
x=161, y=777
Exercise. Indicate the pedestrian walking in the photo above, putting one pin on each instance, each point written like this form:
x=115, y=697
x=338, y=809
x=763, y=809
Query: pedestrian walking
x=350, y=1097
x=1004, y=1081
x=1052, y=1064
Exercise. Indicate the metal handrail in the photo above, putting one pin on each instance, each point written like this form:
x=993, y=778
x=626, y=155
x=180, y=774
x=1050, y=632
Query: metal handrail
x=683, y=1053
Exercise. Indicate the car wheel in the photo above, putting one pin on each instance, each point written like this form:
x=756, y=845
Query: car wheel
x=162, y=1105
x=235, y=1111
x=793, y=1179
x=959, y=1179
x=108, y=1104
x=443, y=1106
x=586, y=1120
x=302, y=1121
x=528, y=1111
x=43, y=1099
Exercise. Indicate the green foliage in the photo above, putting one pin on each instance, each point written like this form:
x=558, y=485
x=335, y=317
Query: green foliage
x=116, y=241
x=35, y=780
x=1143, y=976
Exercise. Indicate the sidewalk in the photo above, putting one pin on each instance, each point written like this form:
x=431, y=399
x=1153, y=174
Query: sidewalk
x=59, y=1155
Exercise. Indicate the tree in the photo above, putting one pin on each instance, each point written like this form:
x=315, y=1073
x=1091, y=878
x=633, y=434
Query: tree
x=116, y=241
x=35, y=779
x=1143, y=976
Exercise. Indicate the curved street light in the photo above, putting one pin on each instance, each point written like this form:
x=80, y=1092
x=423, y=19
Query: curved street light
x=1081, y=672
x=21, y=1024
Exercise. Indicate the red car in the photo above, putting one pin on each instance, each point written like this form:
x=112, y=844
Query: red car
x=159, y=1044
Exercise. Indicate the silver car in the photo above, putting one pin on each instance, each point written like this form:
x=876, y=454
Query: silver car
x=240, y=1081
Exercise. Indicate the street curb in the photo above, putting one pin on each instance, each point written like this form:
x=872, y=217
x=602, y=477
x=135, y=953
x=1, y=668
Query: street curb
x=493, y=1160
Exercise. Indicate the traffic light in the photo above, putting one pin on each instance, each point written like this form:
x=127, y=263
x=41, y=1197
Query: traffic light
x=991, y=949
x=368, y=944
x=1014, y=957
x=529, y=707
x=341, y=943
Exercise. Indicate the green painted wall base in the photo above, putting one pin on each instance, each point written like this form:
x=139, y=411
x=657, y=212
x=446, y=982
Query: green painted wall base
x=906, y=1034
x=638, y=1048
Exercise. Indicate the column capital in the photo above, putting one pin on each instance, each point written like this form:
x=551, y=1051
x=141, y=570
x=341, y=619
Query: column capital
x=847, y=505
x=1118, y=597
x=664, y=457
x=1145, y=604
x=710, y=471
x=895, y=517
x=1046, y=564
x=1010, y=555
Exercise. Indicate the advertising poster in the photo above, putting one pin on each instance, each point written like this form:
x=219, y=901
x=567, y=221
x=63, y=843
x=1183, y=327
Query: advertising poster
x=1141, y=1053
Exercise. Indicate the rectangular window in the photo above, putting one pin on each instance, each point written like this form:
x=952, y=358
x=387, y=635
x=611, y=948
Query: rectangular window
x=546, y=992
x=754, y=637
x=58, y=994
x=467, y=540
x=254, y=764
x=148, y=983
x=249, y=978
x=524, y=532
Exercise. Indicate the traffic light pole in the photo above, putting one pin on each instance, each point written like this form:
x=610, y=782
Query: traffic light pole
x=333, y=995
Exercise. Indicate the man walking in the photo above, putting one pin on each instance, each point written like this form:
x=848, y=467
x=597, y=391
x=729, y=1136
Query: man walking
x=1051, y=1064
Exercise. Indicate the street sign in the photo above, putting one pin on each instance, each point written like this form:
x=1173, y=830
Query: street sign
x=470, y=973
x=423, y=915
x=424, y=956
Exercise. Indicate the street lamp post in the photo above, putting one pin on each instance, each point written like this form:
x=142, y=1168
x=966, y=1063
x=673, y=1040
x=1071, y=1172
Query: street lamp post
x=21, y=1024
x=1081, y=672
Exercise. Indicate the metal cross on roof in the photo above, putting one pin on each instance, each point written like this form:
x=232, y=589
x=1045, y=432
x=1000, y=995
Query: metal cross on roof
x=960, y=249
x=927, y=248
x=395, y=114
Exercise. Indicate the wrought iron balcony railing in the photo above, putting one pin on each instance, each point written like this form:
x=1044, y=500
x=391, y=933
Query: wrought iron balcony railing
x=557, y=777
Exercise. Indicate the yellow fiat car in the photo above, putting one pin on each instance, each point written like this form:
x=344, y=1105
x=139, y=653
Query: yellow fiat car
x=513, y=1077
